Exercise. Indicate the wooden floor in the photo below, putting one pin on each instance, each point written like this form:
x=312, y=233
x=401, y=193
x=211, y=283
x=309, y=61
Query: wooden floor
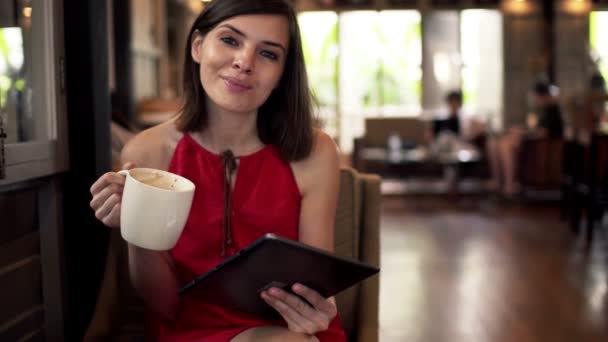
x=477, y=270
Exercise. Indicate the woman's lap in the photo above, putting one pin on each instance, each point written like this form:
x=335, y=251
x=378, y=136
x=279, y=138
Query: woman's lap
x=271, y=334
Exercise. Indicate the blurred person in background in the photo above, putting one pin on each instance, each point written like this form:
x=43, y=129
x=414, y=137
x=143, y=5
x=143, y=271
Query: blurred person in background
x=544, y=121
x=453, y=120
x=595, y=107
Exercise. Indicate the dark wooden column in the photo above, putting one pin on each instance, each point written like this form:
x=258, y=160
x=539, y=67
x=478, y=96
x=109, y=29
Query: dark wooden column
x=88, y=104
x=123, y=92
x=549, y=36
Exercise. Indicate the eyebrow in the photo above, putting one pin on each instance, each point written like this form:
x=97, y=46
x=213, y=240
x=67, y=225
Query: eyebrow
x=267, y=42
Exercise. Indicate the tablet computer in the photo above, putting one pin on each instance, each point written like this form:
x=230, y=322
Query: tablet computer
x=270, y=261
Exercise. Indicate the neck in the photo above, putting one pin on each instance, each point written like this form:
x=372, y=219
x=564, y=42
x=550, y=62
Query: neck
x=231, y=131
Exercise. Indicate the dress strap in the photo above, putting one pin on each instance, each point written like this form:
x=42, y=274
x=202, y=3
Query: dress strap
x=229, y=162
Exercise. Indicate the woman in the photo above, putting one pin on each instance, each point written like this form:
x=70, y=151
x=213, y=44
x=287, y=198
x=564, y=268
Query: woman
x=246, y=122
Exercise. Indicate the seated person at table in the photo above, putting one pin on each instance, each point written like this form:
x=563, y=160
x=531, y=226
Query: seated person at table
x=546, y=121
x=455, y=121
x=587, y=111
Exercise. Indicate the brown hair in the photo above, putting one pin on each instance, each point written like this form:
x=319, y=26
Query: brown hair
x=285, y=119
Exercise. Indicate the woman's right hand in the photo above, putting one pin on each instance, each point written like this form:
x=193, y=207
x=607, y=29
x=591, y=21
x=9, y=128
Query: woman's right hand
x=107, y=195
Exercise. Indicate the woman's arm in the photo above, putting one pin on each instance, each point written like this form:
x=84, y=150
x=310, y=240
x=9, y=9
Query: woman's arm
x=318, y=179
x=319, y=183
x=151, y=272
x=154, y=279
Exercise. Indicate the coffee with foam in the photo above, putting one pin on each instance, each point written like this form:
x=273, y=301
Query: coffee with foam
x=154, y=208
x=157, y=180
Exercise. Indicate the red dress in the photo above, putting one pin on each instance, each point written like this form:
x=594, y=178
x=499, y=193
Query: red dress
x=266, y=199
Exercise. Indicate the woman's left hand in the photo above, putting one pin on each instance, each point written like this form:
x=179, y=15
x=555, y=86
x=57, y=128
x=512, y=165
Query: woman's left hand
x=299, y=315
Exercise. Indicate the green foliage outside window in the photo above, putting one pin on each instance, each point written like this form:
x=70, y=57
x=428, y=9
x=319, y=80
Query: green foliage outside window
x=392, y=79
x=386, y=69
x=598, y=26
x=11, y=62
x=320, y=45
x=400, y=35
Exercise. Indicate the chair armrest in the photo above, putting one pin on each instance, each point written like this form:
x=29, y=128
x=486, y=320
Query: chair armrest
x=370, y=253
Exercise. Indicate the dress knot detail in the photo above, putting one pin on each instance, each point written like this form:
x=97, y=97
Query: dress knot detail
x=229, y=163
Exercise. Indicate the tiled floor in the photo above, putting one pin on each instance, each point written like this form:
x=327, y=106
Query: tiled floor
x=471, y=269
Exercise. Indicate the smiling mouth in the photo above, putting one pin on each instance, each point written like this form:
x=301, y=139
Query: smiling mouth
x=235, y=85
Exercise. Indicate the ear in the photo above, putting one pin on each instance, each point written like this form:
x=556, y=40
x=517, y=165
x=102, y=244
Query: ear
x=195, y=46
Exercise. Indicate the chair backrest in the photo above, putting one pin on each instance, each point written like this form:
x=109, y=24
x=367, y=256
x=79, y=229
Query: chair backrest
x=119, y=312
x=357, y=235
x=377, y=130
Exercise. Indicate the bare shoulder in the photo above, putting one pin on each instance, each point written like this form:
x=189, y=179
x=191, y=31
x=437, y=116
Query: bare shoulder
x=322, y=163
x=324, y=149
x=152, y=147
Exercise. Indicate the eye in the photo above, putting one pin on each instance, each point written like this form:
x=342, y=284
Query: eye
x=269, y=54
x=229, y=40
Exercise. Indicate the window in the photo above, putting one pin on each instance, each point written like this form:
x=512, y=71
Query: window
x=361, y=64
x=598, y=26
x=30, y=89
x=13, y=87
x=370, y=64
x=482, y=71
x=21, y=79
x=319, y=32
x=380, y=61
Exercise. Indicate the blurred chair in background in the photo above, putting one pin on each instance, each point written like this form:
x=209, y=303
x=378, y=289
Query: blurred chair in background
x=586, y=158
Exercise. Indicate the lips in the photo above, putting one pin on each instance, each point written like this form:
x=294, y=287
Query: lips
x=236, y=85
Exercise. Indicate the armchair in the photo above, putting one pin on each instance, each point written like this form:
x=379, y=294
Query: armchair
x=119, y=313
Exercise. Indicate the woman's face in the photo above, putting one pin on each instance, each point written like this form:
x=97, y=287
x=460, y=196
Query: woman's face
x=241, y=60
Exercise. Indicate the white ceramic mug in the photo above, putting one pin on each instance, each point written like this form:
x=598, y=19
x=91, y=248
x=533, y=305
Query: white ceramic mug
x=154, y=208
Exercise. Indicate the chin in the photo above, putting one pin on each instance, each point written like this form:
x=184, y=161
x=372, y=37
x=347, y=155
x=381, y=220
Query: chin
x=235, y=103
x=238, y=108
x=239, y=104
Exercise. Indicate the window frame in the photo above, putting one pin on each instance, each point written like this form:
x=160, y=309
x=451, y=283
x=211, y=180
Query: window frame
x=48, y=155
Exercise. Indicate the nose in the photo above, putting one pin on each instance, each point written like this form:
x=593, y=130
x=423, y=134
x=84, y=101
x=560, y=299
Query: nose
x=244, y=61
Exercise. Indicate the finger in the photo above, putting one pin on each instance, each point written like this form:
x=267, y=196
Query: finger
x=293, y=325
x=293, y=301
x=100, y=183
x=324, y=309
x=293, y=319
x=113, y=219
x=309, y=318
x=108, y=206
x=128, y=166
x=100, y=198
x=313, y=297
x=105, y=180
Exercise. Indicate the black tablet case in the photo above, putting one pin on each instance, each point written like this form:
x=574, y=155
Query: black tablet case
x=275, y=261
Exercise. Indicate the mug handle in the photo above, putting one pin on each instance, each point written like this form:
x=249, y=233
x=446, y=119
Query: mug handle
x=123, y=172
